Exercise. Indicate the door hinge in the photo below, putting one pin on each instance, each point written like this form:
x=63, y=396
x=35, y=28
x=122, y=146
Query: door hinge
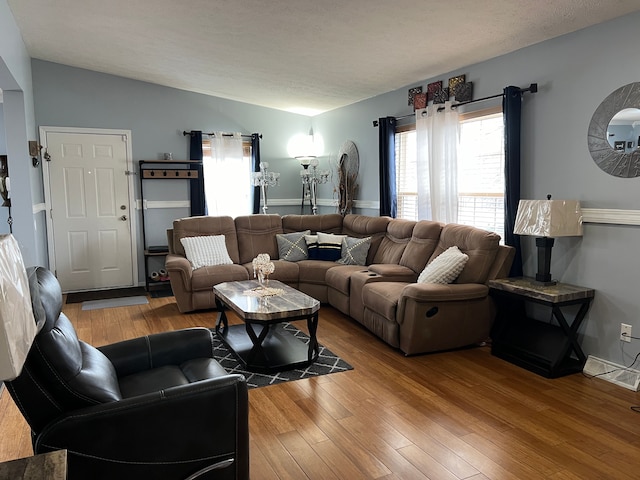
x=124, y=138
x=129, y=172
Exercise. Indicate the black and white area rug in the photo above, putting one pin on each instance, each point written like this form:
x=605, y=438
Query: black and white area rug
x=328, y=362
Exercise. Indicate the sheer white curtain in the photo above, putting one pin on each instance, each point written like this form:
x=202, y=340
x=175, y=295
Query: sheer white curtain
x=437, y=136
x=227, y=177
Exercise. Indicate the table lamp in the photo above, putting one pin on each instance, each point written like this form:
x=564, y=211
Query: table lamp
x=547, y=219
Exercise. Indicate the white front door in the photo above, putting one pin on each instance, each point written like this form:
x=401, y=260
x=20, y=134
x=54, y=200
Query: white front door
x=90, y=212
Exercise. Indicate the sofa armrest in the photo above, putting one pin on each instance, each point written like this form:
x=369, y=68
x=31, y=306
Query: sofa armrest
x=152, y=351
x=452, y=292
x=166, y=434
x=393, y=273
x=180, y=271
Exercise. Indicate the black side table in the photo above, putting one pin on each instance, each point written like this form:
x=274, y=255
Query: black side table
x=550, y=349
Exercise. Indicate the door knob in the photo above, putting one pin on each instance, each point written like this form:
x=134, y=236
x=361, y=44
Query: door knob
x=123, y=218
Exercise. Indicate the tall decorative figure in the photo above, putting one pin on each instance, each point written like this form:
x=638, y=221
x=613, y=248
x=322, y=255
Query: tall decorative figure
x=311, y=178
x=264, y=179
x=348, y=166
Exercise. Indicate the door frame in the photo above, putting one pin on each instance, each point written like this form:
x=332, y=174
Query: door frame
x=133, y=225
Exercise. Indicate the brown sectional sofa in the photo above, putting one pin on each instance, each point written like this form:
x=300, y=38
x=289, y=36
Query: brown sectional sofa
x=382, y=295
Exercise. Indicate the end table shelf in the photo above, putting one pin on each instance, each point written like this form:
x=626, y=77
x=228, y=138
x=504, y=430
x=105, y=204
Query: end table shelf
x=550, y=349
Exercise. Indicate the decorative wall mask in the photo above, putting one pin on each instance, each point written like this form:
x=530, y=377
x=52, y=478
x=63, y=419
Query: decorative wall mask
x=622, y=107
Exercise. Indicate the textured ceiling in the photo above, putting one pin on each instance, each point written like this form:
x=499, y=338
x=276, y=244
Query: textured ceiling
x=305, y=56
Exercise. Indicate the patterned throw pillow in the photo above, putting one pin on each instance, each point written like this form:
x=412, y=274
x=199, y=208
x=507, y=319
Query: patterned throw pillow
x=204, y=251
x=354, y=251
x=312, y=246
x=329, y=246
x=292, y=247
x=445, y=268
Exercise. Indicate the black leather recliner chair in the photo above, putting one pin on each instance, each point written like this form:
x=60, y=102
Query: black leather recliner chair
x=156, y=407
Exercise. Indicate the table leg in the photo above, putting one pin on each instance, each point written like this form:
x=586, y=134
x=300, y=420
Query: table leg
x=314, y=348
x=572, y=331
x=256, y=340
x=222, y=317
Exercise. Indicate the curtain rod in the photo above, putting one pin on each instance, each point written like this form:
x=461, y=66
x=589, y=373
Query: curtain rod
x=185, y=133
x=533, y=88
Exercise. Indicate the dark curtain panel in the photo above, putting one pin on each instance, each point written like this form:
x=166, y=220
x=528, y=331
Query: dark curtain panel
x=255, y=161
x=511, y=111
x=387, y=149
x=197, y=184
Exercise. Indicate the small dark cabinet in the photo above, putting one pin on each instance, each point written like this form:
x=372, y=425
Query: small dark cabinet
x=550, y=348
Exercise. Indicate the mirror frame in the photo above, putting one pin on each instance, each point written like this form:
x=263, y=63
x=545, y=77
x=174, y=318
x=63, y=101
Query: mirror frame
x=618, y=164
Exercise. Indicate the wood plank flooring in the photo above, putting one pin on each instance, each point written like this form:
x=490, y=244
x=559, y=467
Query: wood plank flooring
x=453, y=415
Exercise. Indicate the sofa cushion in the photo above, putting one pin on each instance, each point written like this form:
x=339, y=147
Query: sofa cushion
x=314, y=271
x=354, y=250
x=395, y=240
x=292, y=247
x=339, y=277
x=256, y=235
x=286, y=272
x=445, y=268
x=382, y=298
x=480, y=245
x=329, y=222
x=206, y=277
x=365, y=226
x=206, y=250
x=194, y=226
x=424, y=240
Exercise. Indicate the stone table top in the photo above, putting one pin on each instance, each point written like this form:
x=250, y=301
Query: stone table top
x=289, y=303
x=528, y=287
x=46, y=466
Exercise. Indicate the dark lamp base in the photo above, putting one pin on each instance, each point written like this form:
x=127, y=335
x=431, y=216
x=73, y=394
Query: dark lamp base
x=543, y=277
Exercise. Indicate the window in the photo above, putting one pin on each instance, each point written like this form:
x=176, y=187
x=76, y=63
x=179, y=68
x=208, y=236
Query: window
x=480, y=171
x=406, y=168
x=227, y=178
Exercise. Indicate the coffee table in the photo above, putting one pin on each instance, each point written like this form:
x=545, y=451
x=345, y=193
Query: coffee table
x=262, y=344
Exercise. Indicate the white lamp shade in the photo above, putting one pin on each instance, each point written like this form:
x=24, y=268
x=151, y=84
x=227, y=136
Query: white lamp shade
x=305, y=147
x=17, y=323
x=549, y=218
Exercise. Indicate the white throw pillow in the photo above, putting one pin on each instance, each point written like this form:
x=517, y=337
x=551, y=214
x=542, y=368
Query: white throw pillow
x=204, y=251
x=445, y=268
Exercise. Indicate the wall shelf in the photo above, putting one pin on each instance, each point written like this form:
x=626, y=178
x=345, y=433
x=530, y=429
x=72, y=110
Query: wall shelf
x=161, y=170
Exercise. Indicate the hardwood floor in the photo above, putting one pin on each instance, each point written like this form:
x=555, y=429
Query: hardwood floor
x=454, y=415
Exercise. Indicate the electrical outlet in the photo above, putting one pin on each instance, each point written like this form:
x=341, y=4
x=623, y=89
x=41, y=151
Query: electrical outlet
x=625, y=332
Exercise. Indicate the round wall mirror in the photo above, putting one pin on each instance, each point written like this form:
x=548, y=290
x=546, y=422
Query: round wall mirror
x=614, y=132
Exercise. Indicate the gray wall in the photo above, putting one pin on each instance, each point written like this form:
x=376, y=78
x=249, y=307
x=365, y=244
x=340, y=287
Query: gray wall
x=3, y=140
x=15, y=81
x=157, y=116
x=4, y=212
x=574, y=73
